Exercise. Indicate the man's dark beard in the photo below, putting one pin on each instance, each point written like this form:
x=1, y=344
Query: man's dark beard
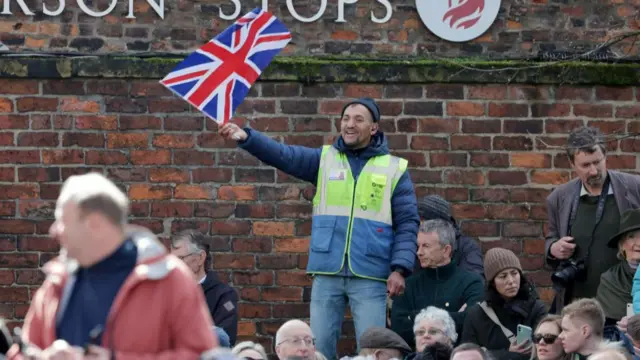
x=596, y=181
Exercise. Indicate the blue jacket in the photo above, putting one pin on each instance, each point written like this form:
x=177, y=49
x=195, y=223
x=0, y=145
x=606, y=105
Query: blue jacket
x=635, y=292
x=303, y=163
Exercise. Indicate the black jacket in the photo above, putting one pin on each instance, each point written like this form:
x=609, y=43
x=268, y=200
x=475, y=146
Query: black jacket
x=524, y=309
x=222, y=301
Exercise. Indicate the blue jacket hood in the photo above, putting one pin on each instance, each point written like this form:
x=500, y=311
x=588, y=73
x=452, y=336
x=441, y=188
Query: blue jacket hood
x=378, y=146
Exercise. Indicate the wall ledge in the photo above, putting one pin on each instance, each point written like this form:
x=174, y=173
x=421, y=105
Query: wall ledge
x=338, y=70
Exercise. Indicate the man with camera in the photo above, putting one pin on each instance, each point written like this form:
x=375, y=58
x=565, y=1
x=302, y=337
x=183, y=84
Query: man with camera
x=583, y=214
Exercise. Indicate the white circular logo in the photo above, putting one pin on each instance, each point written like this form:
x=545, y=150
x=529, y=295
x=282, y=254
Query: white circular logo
x=458, y=20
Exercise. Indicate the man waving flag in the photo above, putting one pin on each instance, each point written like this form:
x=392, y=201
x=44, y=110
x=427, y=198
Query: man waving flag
x=217, y=77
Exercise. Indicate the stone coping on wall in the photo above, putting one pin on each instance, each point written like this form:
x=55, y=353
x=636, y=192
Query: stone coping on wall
x=334, y=70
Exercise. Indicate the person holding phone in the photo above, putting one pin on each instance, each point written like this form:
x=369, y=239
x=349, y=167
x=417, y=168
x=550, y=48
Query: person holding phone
x=493, y=323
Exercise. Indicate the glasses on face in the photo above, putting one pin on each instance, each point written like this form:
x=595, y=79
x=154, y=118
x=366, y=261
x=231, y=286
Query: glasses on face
x=250, y=358
x=300, y=342
x=547, y=338
x=430, y=331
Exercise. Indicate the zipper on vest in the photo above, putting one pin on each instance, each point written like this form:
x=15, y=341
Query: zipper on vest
x=353, y=201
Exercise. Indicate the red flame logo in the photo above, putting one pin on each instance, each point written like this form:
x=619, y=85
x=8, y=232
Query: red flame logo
x=463, y=14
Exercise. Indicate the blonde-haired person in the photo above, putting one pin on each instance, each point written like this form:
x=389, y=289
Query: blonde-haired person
x=546, y=344
x=250, y=351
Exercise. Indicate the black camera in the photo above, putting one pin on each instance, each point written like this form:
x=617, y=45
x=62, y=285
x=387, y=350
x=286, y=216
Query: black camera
x=569, y=271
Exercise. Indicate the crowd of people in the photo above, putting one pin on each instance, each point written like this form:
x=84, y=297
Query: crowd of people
x=417, y=287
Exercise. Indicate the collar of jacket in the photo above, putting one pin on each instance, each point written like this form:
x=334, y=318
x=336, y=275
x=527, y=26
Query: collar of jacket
x=152, y=263
x=442, y=272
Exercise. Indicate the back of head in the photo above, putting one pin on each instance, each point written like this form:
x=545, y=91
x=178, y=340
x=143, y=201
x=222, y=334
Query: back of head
x=633, y=327
x=437, y=351
x=458, y=352
x=249, y=345
x=588, y=311
x=93, y=192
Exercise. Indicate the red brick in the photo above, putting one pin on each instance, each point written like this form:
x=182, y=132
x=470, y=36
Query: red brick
x=488, y=92
x=194, y=157
x=148, y=88
x=630, y=145
x=490, y=195
x=621, y=161
x=419, y=142
x=27, y=104
x=14, y=122
x=476, y=126
x=14, y=294
x=574, y=93
x=614, y=93
x=7, y=208
x=293, y=278
x=508, y=110
x=30, y=277
x=150, y=157
x=6, y=278
x=609, y=127
x=19, y=156
x=469, y=211
x=127, y=140
x=628, y=111
x=230, y=227
x=253, y=278
x=183, y=123
x=550, y=110
x=36, y=209
x=530, y=92
x=38, y=243
x=282, y=294
x=193, y=192
x=553, y=126
x=212, y=140
x=173, y=141
x=489, y=160
x=539, y=212
x=66, y=156
x=281, y=124
x=96, y=122
x=464, y=108
x=448, y=159
x=480, y=228
x=529, y=195
x=277, y=262
x=530, y=160
x=507, y=212
x=245, y=192
x=149, y=192
x=592, y=110
x=38, y=139
x=357, y=90
x=512, y=143
x=49, y=191
x=233, y=261
x=467, y=142
x=254, y=244
x=40, y=121
x=19, y=87
x=292, y=245
x=528, y=228
x=6, y=105
x=172, y=175
x=268, y=228
x=171, y=209
x=75, y=104
x=534, y=247
x=222, y=175
x=82, y=139
x=471, y=177
x=19, y=260
x=507, y=177
x=94, y=157
x=6, y=139
x=19, y=191
x=140, y=122
x=438, y=125
x=549, y=177
x=7, y=174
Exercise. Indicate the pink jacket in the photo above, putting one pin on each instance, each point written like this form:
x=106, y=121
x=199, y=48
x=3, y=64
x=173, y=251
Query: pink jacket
x=159, y=313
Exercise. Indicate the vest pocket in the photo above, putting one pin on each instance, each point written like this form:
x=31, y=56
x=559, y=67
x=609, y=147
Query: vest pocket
x=322, y=227
x=379, y=239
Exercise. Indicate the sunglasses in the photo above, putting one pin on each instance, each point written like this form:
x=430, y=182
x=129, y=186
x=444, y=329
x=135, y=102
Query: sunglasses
x=547, y=338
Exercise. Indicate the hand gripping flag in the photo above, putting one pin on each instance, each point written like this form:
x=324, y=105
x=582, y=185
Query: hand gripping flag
x=217, y=77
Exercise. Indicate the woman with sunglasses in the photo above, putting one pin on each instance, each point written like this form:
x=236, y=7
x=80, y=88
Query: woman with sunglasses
x=545, y=339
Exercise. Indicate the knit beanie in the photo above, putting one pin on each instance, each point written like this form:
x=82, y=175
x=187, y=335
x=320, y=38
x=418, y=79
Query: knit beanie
x=369, y=103
x=434, y=207
x=498, y=259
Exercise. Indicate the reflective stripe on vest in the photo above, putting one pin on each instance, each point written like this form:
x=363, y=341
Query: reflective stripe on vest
x=371, y=198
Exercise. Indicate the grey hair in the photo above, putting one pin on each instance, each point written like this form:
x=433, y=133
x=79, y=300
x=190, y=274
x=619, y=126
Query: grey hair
x=195, y=242
x=585, y=139
x=472, y=347
x=249, y=345
x=446, y=232
x=437, y=314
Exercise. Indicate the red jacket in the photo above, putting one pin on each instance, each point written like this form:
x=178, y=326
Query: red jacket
x=158, y=313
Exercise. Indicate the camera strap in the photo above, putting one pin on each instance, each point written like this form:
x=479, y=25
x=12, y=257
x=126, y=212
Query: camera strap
x=602, y=199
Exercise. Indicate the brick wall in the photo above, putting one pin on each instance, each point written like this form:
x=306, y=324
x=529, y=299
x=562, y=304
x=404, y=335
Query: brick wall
x=480, y=146
x=523, y=28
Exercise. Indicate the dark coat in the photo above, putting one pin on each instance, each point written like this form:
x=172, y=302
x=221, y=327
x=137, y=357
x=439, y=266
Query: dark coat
x=626, y=190
x=525, y=309
x=222, y=301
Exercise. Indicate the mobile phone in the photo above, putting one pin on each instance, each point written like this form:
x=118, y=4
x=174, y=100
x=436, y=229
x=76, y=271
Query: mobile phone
x=630, y=310
x=524, y=334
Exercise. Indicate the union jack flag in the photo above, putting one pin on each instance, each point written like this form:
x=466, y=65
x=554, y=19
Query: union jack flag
x=217, y=77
